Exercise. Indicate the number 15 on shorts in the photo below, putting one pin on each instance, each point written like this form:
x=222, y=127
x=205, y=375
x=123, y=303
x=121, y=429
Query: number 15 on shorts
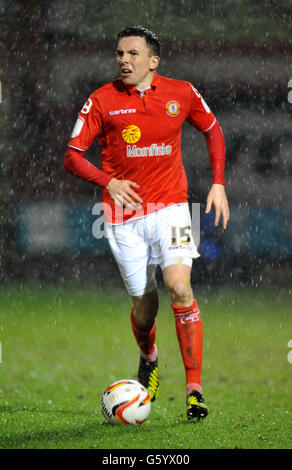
x=181, y=235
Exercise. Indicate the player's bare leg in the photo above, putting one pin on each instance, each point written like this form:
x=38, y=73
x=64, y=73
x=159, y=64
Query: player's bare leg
x=189, y=333
x=177, y=279
x=143, y=315
x=145, y=308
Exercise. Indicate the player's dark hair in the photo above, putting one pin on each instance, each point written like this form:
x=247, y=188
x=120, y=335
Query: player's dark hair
x=151, y=38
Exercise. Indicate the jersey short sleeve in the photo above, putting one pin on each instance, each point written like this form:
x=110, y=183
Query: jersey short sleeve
x=87, y=126
x=200, y=115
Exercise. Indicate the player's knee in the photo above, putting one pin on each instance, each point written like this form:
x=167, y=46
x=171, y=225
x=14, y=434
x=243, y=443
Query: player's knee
x=180, y=292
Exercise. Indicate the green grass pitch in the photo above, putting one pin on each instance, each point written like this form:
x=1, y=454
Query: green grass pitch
x=61, y=347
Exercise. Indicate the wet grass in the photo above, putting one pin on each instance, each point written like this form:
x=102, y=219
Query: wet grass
x=61, y=347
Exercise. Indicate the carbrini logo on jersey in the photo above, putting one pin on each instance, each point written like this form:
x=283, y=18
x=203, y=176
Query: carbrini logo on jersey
x=131, y=134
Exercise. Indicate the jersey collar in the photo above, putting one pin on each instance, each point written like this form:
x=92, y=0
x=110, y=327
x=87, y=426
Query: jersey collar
x=132, y=88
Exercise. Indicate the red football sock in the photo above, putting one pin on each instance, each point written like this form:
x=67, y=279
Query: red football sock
x=145, y=337
x=189, y=330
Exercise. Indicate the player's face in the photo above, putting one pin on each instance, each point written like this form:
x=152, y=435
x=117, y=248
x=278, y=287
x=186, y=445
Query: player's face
x=136, y=62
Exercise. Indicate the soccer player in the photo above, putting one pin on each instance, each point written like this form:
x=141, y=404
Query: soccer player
x=137, y=120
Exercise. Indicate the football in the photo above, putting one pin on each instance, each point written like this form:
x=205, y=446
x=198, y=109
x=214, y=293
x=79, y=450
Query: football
x=126, y=402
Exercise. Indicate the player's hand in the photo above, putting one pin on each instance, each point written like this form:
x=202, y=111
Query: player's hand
x=217, y=197
x=122, y=193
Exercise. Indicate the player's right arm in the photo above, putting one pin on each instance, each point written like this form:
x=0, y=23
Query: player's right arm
x=86, y=129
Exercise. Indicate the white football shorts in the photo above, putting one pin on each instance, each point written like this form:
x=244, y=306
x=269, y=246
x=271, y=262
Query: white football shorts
x=161, y=238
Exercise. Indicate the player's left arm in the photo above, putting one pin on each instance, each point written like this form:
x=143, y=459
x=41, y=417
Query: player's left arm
x=217, y=198
x=201, y=117
x=217, y=195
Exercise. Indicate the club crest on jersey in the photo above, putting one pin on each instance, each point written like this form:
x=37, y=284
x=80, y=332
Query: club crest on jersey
x=173, y=108
x=131, y=134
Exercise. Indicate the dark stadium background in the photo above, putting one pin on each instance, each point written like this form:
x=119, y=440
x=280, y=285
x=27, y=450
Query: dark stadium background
x=54, y=54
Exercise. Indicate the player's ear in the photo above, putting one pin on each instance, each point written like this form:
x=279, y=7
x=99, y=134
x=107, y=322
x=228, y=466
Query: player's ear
x=154, y=62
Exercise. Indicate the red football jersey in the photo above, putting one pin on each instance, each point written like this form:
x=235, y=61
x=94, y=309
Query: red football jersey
x=140, y=138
